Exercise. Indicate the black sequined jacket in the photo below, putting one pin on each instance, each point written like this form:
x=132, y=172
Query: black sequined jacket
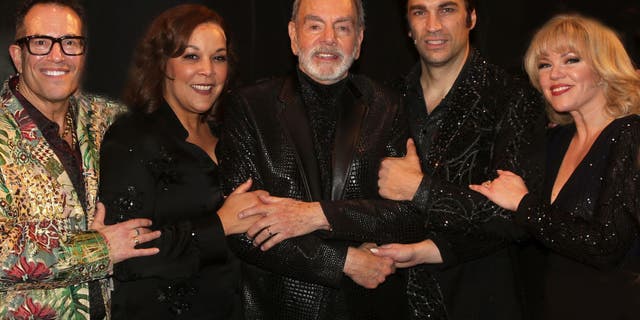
x=149, y=170
x=492, y=122
x=266, y=136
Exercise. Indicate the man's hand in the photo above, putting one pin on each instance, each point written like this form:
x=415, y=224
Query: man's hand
x=366, y=269
x=399, y=178
x=123, y=237
x=409, y=255
x=237, y=201
x=284, y=218
x=507, y=190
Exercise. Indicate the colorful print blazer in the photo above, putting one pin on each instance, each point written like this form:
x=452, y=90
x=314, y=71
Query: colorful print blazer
x=47, y=253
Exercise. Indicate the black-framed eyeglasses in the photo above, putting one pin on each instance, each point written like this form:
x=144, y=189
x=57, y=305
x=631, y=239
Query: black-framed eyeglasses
x=41, y=45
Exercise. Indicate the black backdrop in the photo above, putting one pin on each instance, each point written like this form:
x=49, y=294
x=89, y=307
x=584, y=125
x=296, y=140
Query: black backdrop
x=259, y=34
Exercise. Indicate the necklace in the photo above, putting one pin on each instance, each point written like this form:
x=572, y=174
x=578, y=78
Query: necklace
x=68, y=129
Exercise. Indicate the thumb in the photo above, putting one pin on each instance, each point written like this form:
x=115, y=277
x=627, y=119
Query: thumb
x=244, y=187
x=411, y=148
x=98, y=218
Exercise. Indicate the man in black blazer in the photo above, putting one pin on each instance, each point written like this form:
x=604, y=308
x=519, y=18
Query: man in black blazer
x=468, y=118
x=314, y=140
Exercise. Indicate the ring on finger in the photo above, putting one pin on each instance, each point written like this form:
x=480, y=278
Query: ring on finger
x=137, y=231
x=136, y=241
x=486, y=183
x=269, y=232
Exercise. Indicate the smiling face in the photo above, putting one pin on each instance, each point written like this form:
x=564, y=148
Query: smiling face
x=196, y=78
x=51, y=78
x=440, y=29
x=569, y=83
x=326, y=38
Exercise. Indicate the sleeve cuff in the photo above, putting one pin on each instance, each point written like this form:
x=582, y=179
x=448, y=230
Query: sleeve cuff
x=334, y=217
x=208, y=236
x=525, y=208
x=421, y=198
x=89, y=251
x=446, y=252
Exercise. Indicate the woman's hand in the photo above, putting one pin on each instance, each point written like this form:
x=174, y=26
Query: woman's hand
x=409, y=255
x=507, y=190
x=237, y=201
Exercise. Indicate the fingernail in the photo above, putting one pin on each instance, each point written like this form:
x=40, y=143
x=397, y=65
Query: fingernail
x=374, y=250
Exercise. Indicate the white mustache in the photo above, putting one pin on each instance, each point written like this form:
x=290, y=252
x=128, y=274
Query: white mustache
x=327, y=50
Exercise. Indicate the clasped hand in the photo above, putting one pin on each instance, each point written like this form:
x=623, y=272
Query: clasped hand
x=282, y=218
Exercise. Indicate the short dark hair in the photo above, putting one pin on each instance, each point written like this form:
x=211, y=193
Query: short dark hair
x=167, y=37
x=26, y=5
x=469, y=5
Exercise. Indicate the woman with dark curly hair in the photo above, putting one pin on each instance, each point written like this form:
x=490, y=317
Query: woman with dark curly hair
x=158, y=162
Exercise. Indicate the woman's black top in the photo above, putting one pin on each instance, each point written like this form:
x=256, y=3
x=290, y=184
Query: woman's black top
x=592, y=267
x=148, y=170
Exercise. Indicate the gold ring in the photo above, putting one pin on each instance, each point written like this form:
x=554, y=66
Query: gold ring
x=486, y=183
x=136, y=241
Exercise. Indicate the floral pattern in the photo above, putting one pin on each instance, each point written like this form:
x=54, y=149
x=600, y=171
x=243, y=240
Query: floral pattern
x=34, y=311
x=26, y=271
x=47, y=253
x=28, y=128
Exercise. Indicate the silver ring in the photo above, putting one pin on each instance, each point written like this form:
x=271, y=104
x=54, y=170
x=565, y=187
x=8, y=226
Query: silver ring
x=136, y=241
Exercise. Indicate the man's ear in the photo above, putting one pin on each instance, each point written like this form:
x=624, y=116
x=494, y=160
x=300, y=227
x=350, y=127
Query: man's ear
x=293, y=36
x=472, y=19
x=15, y=51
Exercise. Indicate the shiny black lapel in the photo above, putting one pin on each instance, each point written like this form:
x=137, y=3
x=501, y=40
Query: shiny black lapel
x=353, y=110
x=298, y=130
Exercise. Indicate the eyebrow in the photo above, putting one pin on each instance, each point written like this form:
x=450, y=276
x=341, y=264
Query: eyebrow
x=311, y=17
x=197, y=48
x=442, y=5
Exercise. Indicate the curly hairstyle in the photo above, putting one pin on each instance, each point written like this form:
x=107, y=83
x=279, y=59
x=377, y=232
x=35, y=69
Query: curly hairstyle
x=601, y=48
x=166, y=38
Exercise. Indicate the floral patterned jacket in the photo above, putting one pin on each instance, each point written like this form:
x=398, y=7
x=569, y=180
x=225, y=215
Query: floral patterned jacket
x=47, y=253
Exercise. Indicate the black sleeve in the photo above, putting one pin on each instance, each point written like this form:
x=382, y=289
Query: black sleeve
x=308, y=258
x=129, y=190
x=378, y=220
x=467, y=225
x=604, y=238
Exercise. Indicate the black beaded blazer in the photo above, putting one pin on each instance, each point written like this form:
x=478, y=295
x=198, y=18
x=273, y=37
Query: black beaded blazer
x=487, y=121
x=266, y=136
x=149, y=170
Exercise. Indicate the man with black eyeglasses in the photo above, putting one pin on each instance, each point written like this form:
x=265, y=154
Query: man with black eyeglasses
x=55, y=251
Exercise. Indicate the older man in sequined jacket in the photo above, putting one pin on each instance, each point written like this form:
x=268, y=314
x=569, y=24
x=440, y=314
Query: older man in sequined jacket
x=317, y=136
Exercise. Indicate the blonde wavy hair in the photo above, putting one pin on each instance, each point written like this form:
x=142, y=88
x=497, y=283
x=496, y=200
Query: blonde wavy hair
x=601, y=48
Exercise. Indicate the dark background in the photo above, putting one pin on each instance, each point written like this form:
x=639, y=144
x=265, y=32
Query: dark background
x=258, y=30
